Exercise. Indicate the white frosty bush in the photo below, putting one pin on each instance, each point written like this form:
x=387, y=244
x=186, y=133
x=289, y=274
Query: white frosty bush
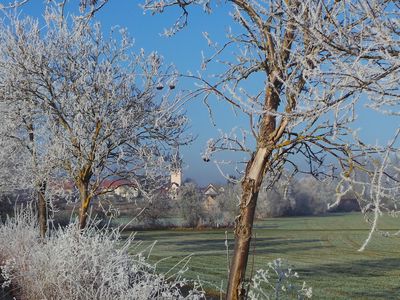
x=278, y=281
x=91, y=264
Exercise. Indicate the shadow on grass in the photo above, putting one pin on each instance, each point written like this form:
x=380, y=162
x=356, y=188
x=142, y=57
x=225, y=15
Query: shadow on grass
x=171, y=234
x=265, y=226
x=359, y=268
x=362, y=279
x=262, y=246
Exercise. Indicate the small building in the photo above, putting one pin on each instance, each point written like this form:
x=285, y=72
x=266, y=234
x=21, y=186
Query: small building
x=122, y=188
x=211, y=192
x=127, y=191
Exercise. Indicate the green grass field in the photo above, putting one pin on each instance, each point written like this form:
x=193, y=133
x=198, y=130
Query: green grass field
x=322, y=249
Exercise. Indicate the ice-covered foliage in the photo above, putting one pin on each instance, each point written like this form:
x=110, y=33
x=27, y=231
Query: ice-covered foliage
x=296, y=195
x=88, y=264
x=98, y=111
x=278, y=281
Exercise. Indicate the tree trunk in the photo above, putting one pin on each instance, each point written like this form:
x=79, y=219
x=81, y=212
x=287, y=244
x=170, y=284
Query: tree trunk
x=42, y=209
x=85, y=201
x=244, y=223
x=41, y=186
x=82, y=217
x=243, y=231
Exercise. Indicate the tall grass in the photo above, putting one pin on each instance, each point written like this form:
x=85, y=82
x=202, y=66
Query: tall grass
x=89, y=264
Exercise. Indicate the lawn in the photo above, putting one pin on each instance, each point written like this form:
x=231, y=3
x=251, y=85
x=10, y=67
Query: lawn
x=322, y=249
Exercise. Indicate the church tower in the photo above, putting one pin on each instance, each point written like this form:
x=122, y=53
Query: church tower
x=176, y=170
x=176, y=178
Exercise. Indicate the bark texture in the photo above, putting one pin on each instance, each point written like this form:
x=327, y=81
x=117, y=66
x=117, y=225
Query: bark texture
x=85, y=201
x=244, y=224
x=237, y=274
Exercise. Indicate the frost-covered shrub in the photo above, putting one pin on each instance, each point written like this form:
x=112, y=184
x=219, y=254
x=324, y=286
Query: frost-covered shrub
x=301, y=196
x=91, y=264
x=278, y=281
x=228, y=204
x=190, y=204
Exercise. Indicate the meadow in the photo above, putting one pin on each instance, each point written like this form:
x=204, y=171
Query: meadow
x=323, y=250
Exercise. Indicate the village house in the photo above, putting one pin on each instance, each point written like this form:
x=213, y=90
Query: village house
x=211, y=192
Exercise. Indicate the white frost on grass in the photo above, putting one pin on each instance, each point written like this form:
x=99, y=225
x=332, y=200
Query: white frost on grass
x=72, y=264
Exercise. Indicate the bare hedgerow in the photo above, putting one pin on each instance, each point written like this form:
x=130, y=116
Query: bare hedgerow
x=86, y=264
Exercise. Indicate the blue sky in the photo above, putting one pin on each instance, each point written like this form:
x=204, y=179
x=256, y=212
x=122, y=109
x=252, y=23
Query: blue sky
x=184, y=50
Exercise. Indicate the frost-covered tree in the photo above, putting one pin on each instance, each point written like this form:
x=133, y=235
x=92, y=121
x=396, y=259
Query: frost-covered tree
x=277, y=199
x=296, y=195
x=25, y=159
x=312, y=196
x=228, y=204
x=309, y=65
x=153, y=211
x=190, y=202
x=109, y=120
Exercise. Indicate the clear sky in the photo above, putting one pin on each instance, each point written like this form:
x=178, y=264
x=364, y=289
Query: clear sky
x=184, y=50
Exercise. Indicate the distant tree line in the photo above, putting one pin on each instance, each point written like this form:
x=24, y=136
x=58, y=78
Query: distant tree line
x=297, y=196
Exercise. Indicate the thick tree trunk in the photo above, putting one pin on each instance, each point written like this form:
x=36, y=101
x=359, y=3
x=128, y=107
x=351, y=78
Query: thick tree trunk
x=42, y=210
x=244, y=223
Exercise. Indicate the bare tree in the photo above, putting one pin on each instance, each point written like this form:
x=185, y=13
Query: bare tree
x=316, y=60
x=88, y=8
x=109, y=118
